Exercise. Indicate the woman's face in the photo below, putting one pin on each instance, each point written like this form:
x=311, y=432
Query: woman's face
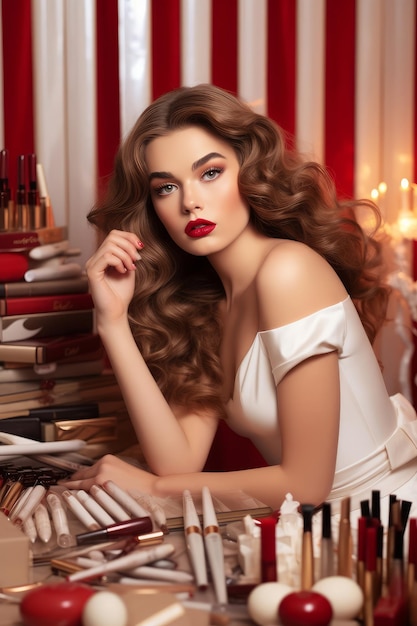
x=193, y=179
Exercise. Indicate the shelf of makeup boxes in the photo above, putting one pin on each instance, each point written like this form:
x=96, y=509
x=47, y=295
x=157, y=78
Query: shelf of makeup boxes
x=89, y=408
x=63, y=398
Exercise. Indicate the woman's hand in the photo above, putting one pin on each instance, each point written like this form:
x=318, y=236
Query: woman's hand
x=112, y=468
x=111, y=274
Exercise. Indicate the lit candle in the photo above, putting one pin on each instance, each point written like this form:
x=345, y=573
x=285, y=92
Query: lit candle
x=405, y=195
x=382, y=190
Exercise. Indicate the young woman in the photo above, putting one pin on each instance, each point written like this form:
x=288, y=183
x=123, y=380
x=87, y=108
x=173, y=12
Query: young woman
x=232, y=284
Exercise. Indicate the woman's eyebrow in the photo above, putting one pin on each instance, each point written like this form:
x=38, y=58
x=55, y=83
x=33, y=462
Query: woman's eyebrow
x=199, y=163
x=204, y=159
x=160, y=175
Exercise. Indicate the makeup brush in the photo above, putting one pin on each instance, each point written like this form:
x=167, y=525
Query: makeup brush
x=307, y=557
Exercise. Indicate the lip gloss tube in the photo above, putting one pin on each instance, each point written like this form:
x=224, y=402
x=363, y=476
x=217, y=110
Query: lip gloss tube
x=124, y=499
x=107, y=502
x=20, y=502
x=94, y=508
x=79, y=511
x=154, y=573
x=154, y=508
x=124, y=563
x=60, y=521
x=29, y=529
x=42, y=523
x=30, y=505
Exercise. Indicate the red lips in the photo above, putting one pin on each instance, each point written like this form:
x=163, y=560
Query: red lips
x=199, y=228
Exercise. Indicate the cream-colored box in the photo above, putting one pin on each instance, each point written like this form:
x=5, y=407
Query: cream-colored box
x=14, y=554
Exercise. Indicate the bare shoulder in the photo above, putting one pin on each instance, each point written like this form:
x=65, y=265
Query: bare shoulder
x=294, y=281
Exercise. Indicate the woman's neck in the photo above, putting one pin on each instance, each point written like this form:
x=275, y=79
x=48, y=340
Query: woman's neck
x=238, y=264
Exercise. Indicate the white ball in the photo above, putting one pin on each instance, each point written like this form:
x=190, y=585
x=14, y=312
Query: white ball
x=105, y=608
x=264, y=600
x=343, y=593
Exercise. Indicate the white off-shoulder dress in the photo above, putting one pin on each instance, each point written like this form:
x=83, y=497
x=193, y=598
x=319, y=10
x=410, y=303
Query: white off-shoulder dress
x=377, y=448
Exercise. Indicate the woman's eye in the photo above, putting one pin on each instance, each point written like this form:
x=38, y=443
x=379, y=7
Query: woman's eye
x=212, y=173
x=164, y=190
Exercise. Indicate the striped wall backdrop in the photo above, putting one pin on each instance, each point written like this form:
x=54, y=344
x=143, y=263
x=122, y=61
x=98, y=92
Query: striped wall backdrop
x=339, y=76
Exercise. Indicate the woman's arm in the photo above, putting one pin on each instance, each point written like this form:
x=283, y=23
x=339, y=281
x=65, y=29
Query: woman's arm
x=308, y=404
x=309, y=414
x=170, y=442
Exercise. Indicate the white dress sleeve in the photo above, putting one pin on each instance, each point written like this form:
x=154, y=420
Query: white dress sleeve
x=319, y=333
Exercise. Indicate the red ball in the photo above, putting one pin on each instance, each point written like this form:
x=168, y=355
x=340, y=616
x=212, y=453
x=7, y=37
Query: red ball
x=305, y=608
x=59, y=604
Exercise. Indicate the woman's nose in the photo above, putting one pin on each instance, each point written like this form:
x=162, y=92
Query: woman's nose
x=191, y=202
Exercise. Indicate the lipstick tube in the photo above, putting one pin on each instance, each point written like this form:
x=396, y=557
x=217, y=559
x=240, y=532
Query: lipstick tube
x=344, y=566
x=214, y=547
x=269, y=562
x=326, y=548
x=6, y=206
x=129, y=528
x=4, y=211
x=361, y=552
x=376, y=505
x=17, y=507
x=20, y=221
x=60, y=521
x=46, y=212
x=42, y=523
x=412, y=569
x=194, y=540
x=369, y=576
x=32, y=195
x=79, y=511
x=379, y=558
x=11, y=497
x=30, y=505
x=29, y=529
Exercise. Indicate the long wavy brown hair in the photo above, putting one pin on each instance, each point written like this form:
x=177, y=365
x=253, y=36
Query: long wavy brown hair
x=174, y=311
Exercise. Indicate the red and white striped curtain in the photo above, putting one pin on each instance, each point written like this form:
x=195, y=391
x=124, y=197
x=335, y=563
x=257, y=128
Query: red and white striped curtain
x=339, y=76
